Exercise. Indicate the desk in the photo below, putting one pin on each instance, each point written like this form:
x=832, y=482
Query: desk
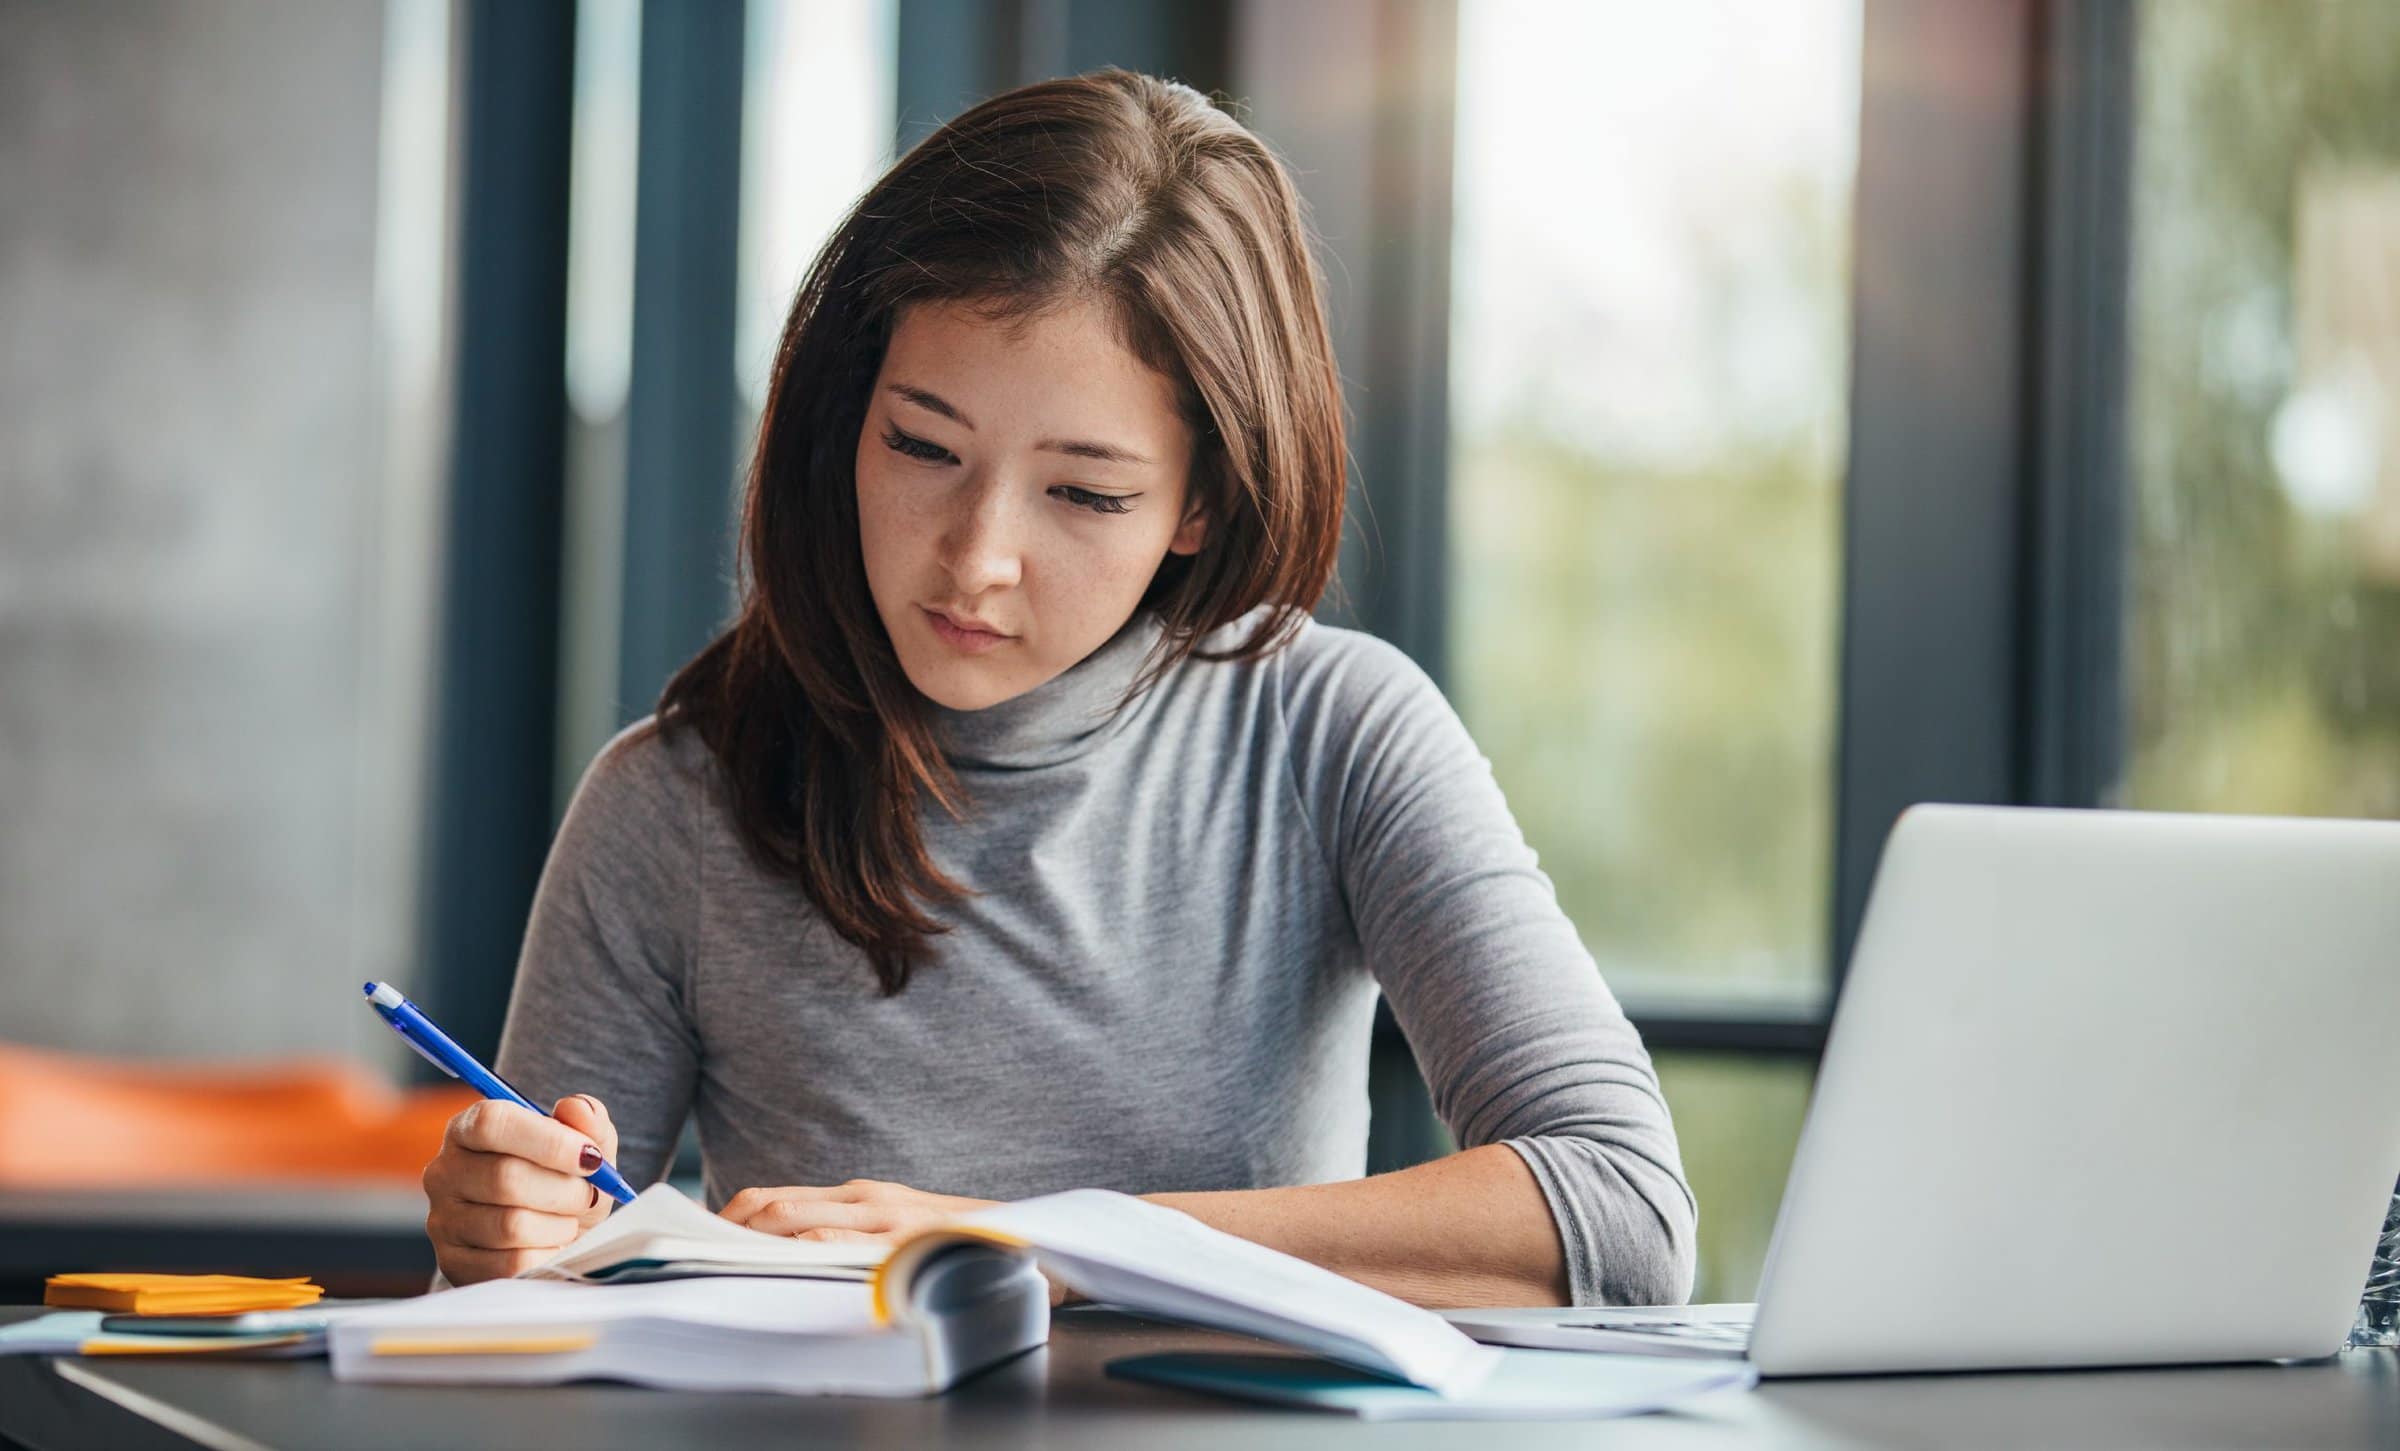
x=1057, y=1396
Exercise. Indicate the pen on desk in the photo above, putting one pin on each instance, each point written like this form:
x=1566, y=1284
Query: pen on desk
x=418, y=1031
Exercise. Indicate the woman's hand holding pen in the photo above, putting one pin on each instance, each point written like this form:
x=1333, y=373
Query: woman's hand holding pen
x=508, y=1188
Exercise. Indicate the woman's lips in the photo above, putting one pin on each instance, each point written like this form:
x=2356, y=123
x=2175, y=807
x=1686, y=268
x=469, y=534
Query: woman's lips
x=971, y=642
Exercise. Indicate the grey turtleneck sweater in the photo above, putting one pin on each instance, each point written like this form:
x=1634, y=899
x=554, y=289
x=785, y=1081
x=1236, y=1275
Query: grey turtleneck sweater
x=1186, y=909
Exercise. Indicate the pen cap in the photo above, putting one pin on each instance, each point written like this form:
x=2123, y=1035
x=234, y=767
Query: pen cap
x=388, y=1005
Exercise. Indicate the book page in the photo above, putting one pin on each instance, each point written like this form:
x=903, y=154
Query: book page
x=662, y=1223
x=1117, y=1248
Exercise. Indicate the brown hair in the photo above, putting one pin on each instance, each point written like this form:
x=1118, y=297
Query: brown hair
x=1113, y=186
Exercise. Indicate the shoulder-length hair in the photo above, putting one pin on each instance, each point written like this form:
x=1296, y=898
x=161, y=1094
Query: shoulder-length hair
x=1111, y=186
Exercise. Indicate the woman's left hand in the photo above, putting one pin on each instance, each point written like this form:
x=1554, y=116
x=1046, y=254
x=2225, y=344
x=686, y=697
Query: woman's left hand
x=863, y=1210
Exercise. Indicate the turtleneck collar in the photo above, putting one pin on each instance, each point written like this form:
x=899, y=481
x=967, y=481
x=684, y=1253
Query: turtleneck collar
x=1057, y=720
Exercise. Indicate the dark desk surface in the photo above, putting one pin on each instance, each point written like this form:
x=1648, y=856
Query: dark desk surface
x=1058, y=1397
x=355, y=1241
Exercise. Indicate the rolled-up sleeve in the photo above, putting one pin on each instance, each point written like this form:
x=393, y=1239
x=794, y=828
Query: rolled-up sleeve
x=1520, y=1040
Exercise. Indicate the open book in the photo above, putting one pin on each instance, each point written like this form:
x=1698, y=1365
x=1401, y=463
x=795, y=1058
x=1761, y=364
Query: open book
x=1108, y=1246
x=1142, y=1256
x=662, y=1235
x=746, y=1310
x=1402, y=1362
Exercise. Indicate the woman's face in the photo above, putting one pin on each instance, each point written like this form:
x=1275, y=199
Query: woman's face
x=1017, y=490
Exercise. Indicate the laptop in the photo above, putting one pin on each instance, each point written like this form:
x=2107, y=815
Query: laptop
x=2103, y=1088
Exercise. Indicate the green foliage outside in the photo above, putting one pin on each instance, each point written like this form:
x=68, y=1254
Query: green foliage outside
x=1738, y=1120
x=1643, y=642
x=1647, y=658
x=2263, y=655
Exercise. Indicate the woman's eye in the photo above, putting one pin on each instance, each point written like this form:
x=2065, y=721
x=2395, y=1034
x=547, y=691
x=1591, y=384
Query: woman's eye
x=928, y=452
x=915, y=448
x=1097, y=503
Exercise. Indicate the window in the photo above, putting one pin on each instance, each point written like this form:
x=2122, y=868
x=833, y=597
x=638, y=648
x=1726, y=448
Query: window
x=817, y=131
x=2263, y=633
x=1650, y=386
x=1651, y=316
x=815, y=128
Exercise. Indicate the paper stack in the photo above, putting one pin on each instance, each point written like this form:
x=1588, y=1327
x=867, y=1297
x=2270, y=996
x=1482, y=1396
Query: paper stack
x=794, y=1336
x=85, y=1332
x=138, y=1314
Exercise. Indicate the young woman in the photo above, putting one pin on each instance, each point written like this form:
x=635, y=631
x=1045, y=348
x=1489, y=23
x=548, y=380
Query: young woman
x=1023, y=832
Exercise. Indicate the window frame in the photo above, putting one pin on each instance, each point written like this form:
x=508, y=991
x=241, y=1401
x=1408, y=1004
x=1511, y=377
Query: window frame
x=492, y=743
x=1980, y=622
x=1981, y=626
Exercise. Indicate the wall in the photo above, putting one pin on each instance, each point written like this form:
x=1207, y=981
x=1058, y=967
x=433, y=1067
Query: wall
x=193, y=859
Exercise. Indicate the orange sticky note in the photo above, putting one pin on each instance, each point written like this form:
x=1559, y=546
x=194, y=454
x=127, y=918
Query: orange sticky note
x=140, y=1294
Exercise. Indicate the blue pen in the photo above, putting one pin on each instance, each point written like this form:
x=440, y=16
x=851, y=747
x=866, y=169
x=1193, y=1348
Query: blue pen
x=418, y=1031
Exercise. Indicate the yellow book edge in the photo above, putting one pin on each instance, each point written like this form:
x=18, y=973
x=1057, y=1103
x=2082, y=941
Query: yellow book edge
x=893, y=1274
x=197, y=1345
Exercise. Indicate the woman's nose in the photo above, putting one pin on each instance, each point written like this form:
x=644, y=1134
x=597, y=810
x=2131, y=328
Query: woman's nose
x=979, y=547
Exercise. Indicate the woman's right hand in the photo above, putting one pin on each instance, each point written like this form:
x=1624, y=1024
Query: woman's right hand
x=508, y=1187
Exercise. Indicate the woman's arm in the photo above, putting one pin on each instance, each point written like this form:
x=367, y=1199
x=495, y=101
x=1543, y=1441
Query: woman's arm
x=1467, y=1229
x=1470, y=1228
x=601, y=1001
x=1525, y=1050
x=598, y=1024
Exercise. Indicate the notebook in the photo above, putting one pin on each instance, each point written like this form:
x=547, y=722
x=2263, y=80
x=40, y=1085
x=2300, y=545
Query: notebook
x=663, y=1235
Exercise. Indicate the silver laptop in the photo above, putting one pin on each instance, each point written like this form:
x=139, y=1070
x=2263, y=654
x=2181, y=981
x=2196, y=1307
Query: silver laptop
x=2104, y=1088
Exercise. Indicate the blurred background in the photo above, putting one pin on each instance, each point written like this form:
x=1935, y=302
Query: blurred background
x=1768, y=413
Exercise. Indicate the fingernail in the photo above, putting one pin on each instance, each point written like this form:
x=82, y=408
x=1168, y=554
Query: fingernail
x=590, y=1102
x=595, y=1199
x=589, y=1159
